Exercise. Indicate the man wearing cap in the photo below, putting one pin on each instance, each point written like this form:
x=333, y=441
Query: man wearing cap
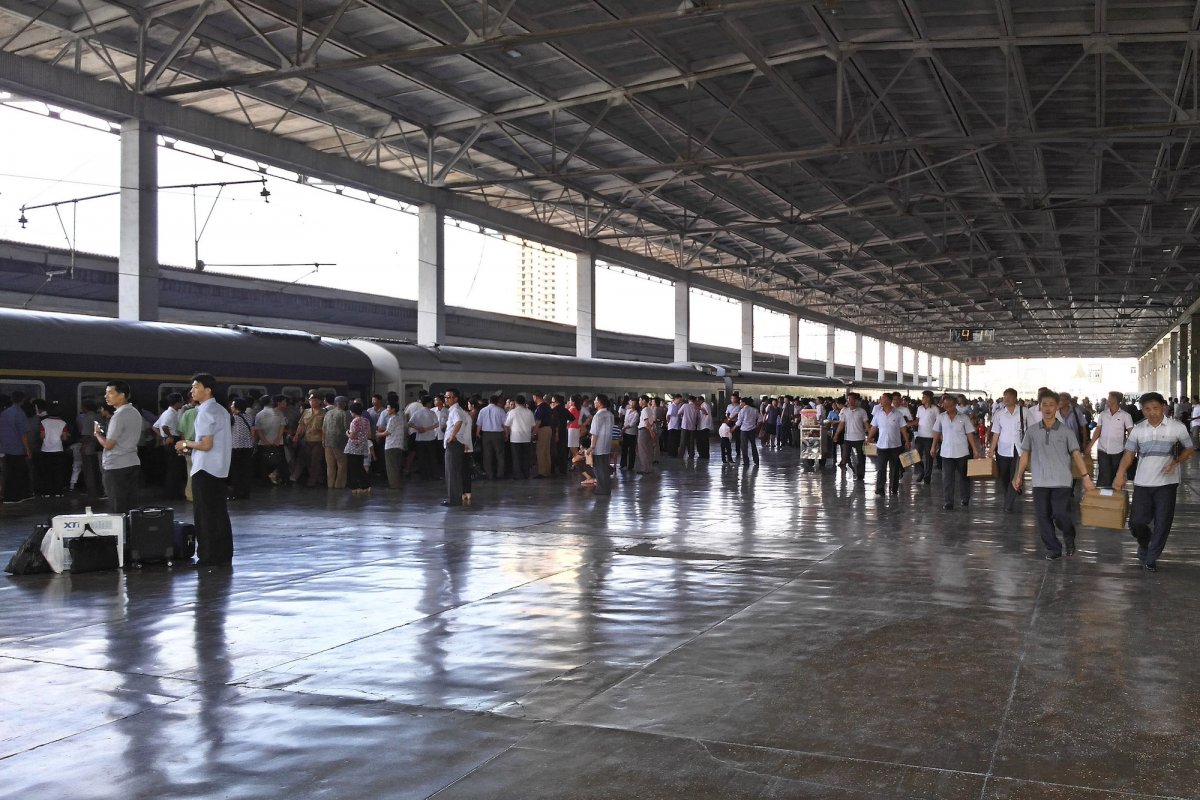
x=310, y=438
x=1161, y=444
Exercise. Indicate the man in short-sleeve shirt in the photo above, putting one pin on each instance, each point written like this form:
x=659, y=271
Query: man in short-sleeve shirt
x=211, y=452
x=119, y=463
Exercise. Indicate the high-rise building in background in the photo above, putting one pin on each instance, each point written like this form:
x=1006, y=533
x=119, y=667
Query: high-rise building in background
x=544, y=291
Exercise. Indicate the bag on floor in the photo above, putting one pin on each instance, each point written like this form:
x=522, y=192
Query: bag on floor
x=28, y=560
x=184, y=535
x=150, y=536
x=91, y=552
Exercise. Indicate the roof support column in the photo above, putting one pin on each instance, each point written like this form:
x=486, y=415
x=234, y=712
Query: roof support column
x=683, y=321
x=747, y=336
x=882, y=352
x=793, y=344
x=830, y=350
x=1173, y=366
x=1185, y=360
x=929, y=369
x=431, y=275
x=585, y=305
x=858, y=358
x=1194, y=356
x=137, y=271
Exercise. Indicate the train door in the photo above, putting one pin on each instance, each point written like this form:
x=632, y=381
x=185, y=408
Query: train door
x=412, y=392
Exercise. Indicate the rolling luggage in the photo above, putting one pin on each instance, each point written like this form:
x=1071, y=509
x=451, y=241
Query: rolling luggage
x=150, y=536
x=28, y=560
x=93, y=552
x=65, y=527
x=185, y=539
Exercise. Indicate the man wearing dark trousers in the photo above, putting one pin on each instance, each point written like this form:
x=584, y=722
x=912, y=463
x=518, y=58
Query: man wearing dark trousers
x=1113, y=424
x=852, y=430
x=1161, y=445
x=890, y=431
x=927, y=415
x=211, y=452
x=954, y=440
x=1008, y=429
x=119, y=445
x=1051, y=447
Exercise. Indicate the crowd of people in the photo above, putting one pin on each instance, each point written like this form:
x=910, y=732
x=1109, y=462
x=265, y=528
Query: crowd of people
x=108, y=450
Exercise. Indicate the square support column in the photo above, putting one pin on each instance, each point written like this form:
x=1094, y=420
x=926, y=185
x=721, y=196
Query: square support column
x=830, y=351
x=431, y=275
x=858, y=357
x=585, y=305
x=882, y=353
x=137, y=270
x=793, y=344
x=1185, y=360
x=1173, y=366
x=683, y=321
x=929, y=369
x=747, y=336
x=1194, y=355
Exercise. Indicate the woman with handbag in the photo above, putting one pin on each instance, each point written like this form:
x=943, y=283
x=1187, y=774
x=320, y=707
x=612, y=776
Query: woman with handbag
x=358, y=450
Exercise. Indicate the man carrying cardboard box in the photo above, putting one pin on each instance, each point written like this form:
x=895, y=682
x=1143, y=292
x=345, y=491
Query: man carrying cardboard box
x=1052, y=447
x=1161, y=445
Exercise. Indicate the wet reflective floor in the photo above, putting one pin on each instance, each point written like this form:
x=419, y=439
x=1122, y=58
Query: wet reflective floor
x=708, y=632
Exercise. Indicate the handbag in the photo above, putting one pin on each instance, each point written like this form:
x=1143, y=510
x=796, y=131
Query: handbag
x=92, y=553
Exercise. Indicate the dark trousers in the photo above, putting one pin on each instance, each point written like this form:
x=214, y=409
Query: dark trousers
x=603, y=477
x=749, y=446
x=121, y=486
x=92, y=479
x=175, y=477
x=673, y=439
x=852, y=454
x=1006, y=469
x=356, y=472
x=737, y=444
x=16, y=478
x=1150, y=518
x=628, y=450
x=241, y=472
x=522, y=459
x=427, y=455
x=560, y=459
x=214, y=532
x=272, y=464
x=924, y=470
x=727, y=450
x=1052, y=507
x=458, y=474
x=1108, y=462
x=687, y=443
x=954, y=479
x=887, y=465
x=701, y=439
x=54, y=472
x=493, y=453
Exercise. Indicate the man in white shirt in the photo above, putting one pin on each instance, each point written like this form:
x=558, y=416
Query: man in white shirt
x=703, y=428
x=646, y=434
x=166, y=428
x=424, y=425
x=852, y=430
x=1008, y=429
x=1196, y=425
x=518, y=428
x=600, y=429
x=1161, y=445
x=457, y=440
x=410, y=409
x=927, y=414
x=689, y=423
x=747, y=423
x=954, y=439
x=891, y=435
x=490, y=421
x=1113, y=424
x=731, y=413
x=674, y=425
x=211, y=453
x=270, y=427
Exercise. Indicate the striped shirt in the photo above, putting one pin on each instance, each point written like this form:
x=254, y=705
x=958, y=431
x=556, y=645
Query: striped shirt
x=1153, y=447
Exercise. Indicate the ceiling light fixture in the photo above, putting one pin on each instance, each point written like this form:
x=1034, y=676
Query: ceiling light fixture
x=513, y=53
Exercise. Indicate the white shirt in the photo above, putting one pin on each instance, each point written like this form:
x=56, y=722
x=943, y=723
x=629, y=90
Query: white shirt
x=631, y=421
x=731, y=410
x=674, y=410
x=1112, y=430
x=954, y=435
x=646, y=418
x=1196, y=416
x=519, y=422
x=213, y=420
x=491, y=418
x=412, y=408
x=443, y=415
x=926, y=417
x=601, y=431
x=725, y=432
x=53, y=427
x=888, y=425
x=1009, y=426
x=904, y=412
x=457, y=414
x=169, y=419
x=855, y=429
x=397, y=432
x=424, y=418
x=1153, y=448
x=748, y=417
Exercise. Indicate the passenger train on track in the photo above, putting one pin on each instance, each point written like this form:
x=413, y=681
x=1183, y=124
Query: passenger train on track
x=68, y=357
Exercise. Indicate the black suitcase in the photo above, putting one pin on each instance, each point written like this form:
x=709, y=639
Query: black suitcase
x=150, y=536
x=185, y=539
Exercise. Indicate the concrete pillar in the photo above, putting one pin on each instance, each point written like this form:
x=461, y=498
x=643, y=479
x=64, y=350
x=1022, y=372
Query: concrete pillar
x=1173, y=366
x=137, y=270
x=585, y=305
x=929, y=369
x=1185, y=359
x=747, y=336
x=830, y=350
x=882, y=352
x=967, y=377
x=793, y=344
x=431, y=275
x=1194, y=355
x=858, y=357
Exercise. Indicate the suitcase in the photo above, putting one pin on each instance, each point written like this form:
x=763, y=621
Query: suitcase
x=150, y=536
x=69, y=526
x=184, y=534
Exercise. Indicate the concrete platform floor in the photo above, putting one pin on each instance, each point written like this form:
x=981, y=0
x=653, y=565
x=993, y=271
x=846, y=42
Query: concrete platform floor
x=708, y=632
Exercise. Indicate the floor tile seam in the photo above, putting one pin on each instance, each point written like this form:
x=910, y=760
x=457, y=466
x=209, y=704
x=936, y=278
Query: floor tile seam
x=535, y=727
x=1105, y=790
x=1012, y=690
x=432, y=615
x=195, y=682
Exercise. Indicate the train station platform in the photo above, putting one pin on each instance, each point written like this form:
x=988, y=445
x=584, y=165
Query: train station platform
x=708, y=632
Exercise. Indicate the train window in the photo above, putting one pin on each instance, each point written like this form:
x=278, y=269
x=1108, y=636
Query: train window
x=165, y=389
x=32, y=389
x=412, y=391
x=293, y=393
x=324, y=391
x=249, y=392
x=90, y=390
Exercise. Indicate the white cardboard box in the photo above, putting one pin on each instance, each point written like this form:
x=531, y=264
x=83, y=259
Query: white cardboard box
x=69, y=526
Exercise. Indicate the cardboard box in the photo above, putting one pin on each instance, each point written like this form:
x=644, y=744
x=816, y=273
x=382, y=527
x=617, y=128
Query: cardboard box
x=1087, y=459
x=910, y=457
x=870, y=450
x=1104, y=508
x=981, y=469
x=69, y=526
